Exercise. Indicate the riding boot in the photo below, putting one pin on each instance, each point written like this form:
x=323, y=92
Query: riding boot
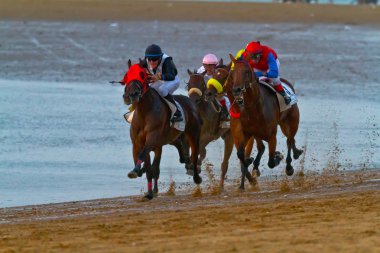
x=286, y=97
x=177, y=115
x=225, y=115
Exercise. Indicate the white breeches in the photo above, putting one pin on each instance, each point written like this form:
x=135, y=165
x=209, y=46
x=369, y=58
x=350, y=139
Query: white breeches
x=166, y=87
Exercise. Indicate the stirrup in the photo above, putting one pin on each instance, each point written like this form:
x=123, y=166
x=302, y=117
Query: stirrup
x=287, y=100
x=177, y=117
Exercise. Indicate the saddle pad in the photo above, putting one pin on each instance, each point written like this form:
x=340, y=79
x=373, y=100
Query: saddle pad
x=180, y=126
x=280, y=98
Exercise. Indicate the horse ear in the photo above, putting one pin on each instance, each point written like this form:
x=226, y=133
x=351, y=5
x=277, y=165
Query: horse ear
x=220, y=63
x=189, y=72
x=129, y=63
x=141, y=62
x=232, y=58
x=258, y=42
x=229, y=66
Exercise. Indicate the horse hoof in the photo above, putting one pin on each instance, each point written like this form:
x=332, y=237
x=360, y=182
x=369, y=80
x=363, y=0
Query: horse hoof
x=271, y=164
x=278, y=156
x=197, y=179
x=253, y=182
x=132, y=174
x=149, y=195
x=256, y=172
x=199, y=169
x=297, y=154
x=241, y=188
x=289, y=170
x=155, y=191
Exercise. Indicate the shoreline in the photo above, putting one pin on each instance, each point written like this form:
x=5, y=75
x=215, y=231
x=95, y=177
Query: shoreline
x=117, y=10
x=304, y=220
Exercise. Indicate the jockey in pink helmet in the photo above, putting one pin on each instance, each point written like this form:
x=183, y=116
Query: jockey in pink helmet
x=209, y=63
x=264, y=62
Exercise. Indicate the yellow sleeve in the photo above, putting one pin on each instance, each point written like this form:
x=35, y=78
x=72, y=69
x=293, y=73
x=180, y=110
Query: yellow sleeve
x=237, y=56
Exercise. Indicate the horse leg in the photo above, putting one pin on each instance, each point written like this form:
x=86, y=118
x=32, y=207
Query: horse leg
x=240, y=141
x=138, y=158
x=149, y=176
x=243, y=168
x=296, y=152
x=156, y=168
x=274, y=157
x=202, y=156
x=228, y=147
x=183, y=150
x=256, y=163
x=248, y=150
x=178, y=143
x=193, y=139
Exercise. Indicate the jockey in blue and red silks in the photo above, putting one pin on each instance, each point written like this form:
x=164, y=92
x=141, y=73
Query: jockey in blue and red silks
x=264, y=62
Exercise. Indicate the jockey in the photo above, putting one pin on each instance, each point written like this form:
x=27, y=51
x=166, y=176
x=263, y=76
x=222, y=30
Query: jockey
x=209, y=63
x=264, y=62
x=163, y=73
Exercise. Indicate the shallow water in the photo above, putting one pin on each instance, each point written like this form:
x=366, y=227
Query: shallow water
x=68, y=141
x=64, y=138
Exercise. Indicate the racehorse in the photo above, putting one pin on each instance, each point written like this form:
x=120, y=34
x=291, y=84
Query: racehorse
x=258, y=112
x=151, y=126
x=210, y=116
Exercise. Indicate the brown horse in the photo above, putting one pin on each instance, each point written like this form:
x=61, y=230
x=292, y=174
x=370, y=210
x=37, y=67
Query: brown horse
x=151, y=126
x=260, y=115
x=211, y=130
x=221, y=75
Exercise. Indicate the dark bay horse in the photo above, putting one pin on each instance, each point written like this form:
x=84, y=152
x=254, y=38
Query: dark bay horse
x=260, y=115
x=151, y=126
x=210, y=116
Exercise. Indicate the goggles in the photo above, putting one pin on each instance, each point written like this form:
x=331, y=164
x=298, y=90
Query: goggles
x=155, y=58
x=255, y=56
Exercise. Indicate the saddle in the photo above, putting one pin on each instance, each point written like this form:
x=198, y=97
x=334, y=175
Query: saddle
x=281, y=101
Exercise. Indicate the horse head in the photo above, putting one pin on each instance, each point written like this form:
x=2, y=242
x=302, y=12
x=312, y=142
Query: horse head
x=196, y=86
x=217, y=83
x=242, y=78
x=136, y=83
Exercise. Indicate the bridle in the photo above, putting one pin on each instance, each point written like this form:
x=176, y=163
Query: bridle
x=196, y=90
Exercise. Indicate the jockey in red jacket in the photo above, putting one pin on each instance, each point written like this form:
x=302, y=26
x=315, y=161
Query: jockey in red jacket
x=264, y=62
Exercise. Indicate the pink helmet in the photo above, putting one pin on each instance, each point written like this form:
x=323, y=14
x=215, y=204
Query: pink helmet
x=210, y=59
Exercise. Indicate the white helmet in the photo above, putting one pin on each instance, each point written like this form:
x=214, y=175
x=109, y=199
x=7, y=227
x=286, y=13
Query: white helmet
x=210, y=59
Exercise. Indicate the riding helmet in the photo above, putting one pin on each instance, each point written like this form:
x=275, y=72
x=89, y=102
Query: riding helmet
x=210, y=59
x=253, y=47
x=153, y=51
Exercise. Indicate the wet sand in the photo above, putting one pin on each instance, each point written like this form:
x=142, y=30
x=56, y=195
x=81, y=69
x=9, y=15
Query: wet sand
x=328, y=211
x=333, y=212
x=102, y=10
